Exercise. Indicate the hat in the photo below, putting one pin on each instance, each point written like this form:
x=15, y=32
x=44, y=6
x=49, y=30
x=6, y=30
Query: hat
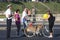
x=9, y=5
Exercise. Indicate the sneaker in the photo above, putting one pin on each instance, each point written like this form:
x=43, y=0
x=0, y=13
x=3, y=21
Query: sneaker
x=50, y=36
x=37, y=32
x=8, y=37
x=17, y=34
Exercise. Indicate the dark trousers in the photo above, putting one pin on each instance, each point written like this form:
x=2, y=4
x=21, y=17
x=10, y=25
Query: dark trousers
x=9, y=22
x=51, y=24
x=18, y=27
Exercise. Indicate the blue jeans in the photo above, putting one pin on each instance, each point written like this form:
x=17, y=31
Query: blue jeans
x=24, y=25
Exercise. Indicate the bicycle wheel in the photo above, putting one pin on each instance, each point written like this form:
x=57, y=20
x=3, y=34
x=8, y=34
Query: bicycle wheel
x=45, y=31
x=39, y=30
x=28, y=32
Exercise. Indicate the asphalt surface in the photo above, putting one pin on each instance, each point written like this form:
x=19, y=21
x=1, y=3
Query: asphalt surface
x=14, y=36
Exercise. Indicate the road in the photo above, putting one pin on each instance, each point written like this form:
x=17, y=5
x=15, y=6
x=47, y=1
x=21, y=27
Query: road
x=21, y=37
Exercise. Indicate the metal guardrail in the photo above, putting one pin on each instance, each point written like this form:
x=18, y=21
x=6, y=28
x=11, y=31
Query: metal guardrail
x=38, y=17
x=39, y=20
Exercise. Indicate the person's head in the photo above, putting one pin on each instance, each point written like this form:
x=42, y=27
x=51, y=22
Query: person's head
x=9, y=6
x=17, y=11
x=26, y=10
x=33, y=8
x=48, y=11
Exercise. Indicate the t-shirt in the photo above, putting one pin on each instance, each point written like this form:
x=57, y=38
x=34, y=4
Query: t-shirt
x=17, y=16
x=24, y=14
x=8, y=14
x=51, y=18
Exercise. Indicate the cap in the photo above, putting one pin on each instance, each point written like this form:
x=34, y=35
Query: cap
x=9, y=5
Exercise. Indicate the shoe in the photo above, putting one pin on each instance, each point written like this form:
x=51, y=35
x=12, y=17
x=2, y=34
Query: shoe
x=17, y=34
x=8, y=37
x=37, y=32
x=50, y=36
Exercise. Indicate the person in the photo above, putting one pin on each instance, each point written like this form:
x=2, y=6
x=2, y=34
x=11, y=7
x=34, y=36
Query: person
x=8, y=15
x=24, y=17
x=17, y=20
x=51, y=20
x=33, y=14
x=29, y=12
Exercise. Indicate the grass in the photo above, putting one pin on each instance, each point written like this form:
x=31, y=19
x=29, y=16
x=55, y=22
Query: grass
x=2, y=16
x=40, y=9
x=54, y=6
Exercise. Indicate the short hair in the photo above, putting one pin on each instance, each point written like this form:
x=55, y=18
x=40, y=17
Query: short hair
x=48, y=10
x=17, y=10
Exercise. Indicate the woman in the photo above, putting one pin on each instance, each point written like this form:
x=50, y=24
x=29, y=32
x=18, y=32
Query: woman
x=24, y=17
x=17, y=20
x=51, y=20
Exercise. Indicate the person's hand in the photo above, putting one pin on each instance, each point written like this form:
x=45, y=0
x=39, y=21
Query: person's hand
x=25, y=17
x=45, y=19
x=16, y=19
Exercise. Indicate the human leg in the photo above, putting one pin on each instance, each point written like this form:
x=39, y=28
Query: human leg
x=8, y=27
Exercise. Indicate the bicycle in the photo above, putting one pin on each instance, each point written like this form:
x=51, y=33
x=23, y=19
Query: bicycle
x=40, y=29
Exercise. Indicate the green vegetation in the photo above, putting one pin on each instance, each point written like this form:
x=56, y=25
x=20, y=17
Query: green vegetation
x=54, y=6
x=2, y=16
x=39, y=8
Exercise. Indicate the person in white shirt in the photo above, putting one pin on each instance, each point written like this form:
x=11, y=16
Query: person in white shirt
x=24, y=17
x=8, y=15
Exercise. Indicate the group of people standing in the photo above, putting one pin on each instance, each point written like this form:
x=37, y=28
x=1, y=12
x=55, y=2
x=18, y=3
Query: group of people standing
x=18, y=19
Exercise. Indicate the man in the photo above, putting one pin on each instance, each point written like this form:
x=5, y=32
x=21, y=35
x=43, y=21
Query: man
x=8, y=15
